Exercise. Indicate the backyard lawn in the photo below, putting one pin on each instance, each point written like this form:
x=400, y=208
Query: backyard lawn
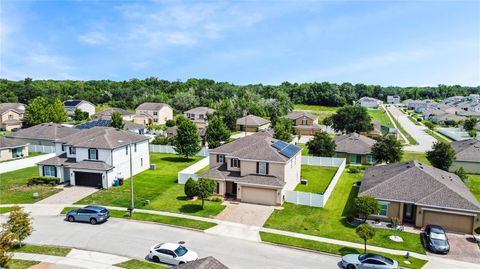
x=331, y=221
x=321, y=111
x=381, y=116
x=318, y=178
x=417, y=156
x=474, y=185
x=160, y=187
x=14, y=189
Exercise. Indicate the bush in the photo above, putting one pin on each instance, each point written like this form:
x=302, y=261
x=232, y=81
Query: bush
x=190, y=188
x=353, y=170
x=477, y=230
x=43, y=181
x=162, y=140
x=170, y=123
x=472, y=133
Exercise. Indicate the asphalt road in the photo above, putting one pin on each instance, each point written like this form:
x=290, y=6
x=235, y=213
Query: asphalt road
x=134, y=239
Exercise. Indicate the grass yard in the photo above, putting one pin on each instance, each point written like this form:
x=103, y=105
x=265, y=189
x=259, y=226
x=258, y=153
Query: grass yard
x=333, y=249
x=417, y=156
x=304, y=147
x=331, y=221
x=318, y=178
x=381, y=116
x=474, y=185
x=5, y=209
x=21, y=264
x=138, y=264
x=205, y=169
x=438, y=136
x=321, y=111
x=47, y=250
x=160, y=187
x=14, y=189
x=175, y=221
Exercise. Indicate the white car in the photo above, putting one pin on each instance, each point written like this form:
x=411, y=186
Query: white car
x=368, y=261
x=171, y=253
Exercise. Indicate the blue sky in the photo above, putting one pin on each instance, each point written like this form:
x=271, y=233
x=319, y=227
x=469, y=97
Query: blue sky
x=404, y=43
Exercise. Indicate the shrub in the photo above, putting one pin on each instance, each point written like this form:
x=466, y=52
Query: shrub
x=43, y=181
x=477, y=230
x=190, y=188
x=472, y=133
x=353, y=170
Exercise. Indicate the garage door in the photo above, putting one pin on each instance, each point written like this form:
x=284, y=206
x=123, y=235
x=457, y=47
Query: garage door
x=88, y=179
x=258, y=196
x=449, y=222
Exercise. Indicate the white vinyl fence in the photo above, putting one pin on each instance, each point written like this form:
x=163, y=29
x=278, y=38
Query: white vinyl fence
x=41, y=148
x=23, y=163
x=190, y=171
x=170, y=149
x=317, y=199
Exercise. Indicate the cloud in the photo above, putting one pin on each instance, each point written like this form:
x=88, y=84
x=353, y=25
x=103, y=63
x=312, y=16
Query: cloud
x=93, y=38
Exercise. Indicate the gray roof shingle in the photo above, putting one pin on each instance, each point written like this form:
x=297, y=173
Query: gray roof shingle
x=108, y=112
x=102, y=137
x=204, y=263
x=45, y=131
x=221, y=173
x=17, y=107
x=354, y=143
x=299, y=114
x=417, y=183
x=62, y=160
x=252, y=120
x=201, y=110
x=467, y=150
x=151, y=106
x=6, y=142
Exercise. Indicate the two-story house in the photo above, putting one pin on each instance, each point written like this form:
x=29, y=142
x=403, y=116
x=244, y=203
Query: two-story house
x=199, y=115
x=304, y=122
x=82, y=105
x=255, y=169
x=393, y=99
x=153, y=113
x=11, y=116
x=96, y=157
x=107, y=114
x=369, y=102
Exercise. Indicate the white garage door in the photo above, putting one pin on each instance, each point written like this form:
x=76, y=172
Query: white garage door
x=449, y=222
x=259, y=196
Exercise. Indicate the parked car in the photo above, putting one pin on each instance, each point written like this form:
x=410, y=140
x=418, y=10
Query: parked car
x=171, y=253
x=92, y=214
x=436, y=239
x=369, y=260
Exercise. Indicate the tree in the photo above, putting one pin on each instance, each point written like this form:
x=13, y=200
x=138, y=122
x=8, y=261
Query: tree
x=352, y=119
x=19, y=223
x=180, y=119
x=283, y=130
x=472, y=133
x=328, y=121
x=56, y=112
x=460, y=172
x=388, y=149
x=441, y=156
x=321, y=145
x=160, y=139
x=190, y=188
x=79, y=115
x=187, y=140
x=366, y=205
x=36, y=111
x=217, y=131
x=365, y=232
x=205, y=188
x=429, y=125
x=184, y=101
x=7, y=242
x=469, y=124
x=117, y=120
x=170, y=123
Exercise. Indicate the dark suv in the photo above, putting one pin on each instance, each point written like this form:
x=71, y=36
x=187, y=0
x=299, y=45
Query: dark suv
x=92, y=214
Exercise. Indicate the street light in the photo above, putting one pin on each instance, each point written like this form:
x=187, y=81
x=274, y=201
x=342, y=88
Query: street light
x=132, y=203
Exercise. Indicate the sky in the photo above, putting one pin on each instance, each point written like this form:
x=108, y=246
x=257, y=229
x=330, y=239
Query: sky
x=389, y=43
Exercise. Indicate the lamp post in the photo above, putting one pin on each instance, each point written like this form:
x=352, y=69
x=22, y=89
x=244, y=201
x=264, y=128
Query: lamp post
x=132, y=203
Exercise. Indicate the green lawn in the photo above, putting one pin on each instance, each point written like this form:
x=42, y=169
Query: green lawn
x=474, y=185
x=47, y=250
x=304, y=149
x=175, y=221
x=4, y=133
x=14, y=189
x=417, y=156
x=5, y=209
x=331, y=221
x=332, y=248
x=438, y=136
x=381, y=116
x=321, y=111
x=205, y=169
x=160, y=187
x=138, y=264
x=21, y=264
x=318, y=178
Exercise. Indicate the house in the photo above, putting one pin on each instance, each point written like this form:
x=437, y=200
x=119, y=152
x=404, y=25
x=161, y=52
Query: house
x=107, y=114
x=172, y=132
x=356, y=148
x=252, y=123
x=153, y=113
x=467, y=155
x=96, y=157
x=11, y=116
x=12, y=149
x=82, y=105
x=419, y=194
x=255, y=169
x=377, y=130
x=418, y=105
x=128, y=125
x=204, y=263
x=304, y=122
x=199, y=115
x=43, y=134
x=369, y=102
x=443, y=118
x=393, y=99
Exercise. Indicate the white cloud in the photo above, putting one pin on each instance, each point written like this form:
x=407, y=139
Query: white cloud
x=93, y=38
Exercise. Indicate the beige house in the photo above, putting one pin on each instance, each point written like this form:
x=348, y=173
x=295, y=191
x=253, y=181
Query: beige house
x=467, y=155
x=255, y=169
x=82, y=105
x=419, y=194
x=356, y=148
x=252, y=123
x=12, y=149
x=304, y=122
x=153, y=113
x=199, y=115
x=43, y=134
x=11, y=116
x=107, y=114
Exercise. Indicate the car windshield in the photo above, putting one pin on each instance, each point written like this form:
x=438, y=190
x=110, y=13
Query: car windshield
x=362, y=258
x=438, y=236
x=180, y=251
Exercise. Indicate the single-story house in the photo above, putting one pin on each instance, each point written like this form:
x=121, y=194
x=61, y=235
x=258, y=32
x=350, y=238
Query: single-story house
x=96, y=157
x=12, y=149
x=43, y=134
x=443, y=118
x=420, y=194
x=82, y=105
x=172, y=132
x=107, y=114
x=304, y=122
x=467, y=155
x=252, y=123
x=153, y=113
x=369, y=102
x=356, y=148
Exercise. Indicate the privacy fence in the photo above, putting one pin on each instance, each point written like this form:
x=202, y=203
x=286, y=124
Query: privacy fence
x=170, y=149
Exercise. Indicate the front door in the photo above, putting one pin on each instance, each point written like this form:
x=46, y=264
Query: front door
x=408, y=213
x=353, y=158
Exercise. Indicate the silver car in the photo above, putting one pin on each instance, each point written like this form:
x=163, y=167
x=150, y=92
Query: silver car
x=368, y=261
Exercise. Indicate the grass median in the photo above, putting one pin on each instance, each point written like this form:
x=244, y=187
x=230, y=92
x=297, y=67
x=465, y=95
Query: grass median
x=21, y=264
x=46, y=250
x=138, y=264
x=175, y=221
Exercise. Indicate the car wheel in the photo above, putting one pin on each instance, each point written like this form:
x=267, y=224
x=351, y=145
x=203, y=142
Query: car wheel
x=155, y=259
x=351, y=266
x=71, y=219
x=93, y=221
x=181, y=263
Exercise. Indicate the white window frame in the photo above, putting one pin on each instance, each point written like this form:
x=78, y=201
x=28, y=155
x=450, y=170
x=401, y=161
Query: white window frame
x=387, y=204
x=221, y=158
x=262, y=166
x=47, y=171
x=90, y=151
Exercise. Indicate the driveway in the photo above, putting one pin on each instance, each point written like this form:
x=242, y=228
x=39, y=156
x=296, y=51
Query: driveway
x=249, y=214
x=69, y=195
x=462, y=248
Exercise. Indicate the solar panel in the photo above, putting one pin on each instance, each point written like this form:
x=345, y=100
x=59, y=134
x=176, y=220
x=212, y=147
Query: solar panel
x=95, y=123
x=290, y=151
x=279, y=145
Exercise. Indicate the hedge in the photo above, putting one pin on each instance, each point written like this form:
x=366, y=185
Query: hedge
x=43, y=181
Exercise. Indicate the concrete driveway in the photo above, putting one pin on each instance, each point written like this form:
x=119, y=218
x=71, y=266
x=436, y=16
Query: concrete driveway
x=69, y=195
x=249, y=214
x=462, y=248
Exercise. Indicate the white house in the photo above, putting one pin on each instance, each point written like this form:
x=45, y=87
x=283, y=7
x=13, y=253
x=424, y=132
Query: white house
x=96, y=156
x=369, y=102
x=393, y=99
x=82, y=105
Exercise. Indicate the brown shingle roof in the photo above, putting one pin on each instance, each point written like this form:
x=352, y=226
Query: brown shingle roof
x=201, y=110
x=151, y=106
x=110, y=111
x=221, y=173
x=298, y=114
x=45, y=131
x=6, y=142
x=354, y=143
x=17, y=107
x=102, y=137
x=417, y=183
x=467, y=150
x=205, y=263
x=252, y=120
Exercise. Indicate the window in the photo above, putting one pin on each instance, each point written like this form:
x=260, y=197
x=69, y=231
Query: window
x=135, y=147
x=383, y=209
x=353, y=158
x=141, y=161
x=63, y=147
x=155, y=120
x=155, y=113
x=234, y=162
x=370, y=159
x=72, y=150
x=201, y=116
x=192, y=116
x=304, y=122
x=126, y=150
x=17, y=152
x=220, y=158
x=49, y=171
x=93, y=154
x=262, y=168
x=10, y=117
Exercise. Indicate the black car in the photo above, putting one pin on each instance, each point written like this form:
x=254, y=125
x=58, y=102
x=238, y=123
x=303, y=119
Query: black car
x=436, y=239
